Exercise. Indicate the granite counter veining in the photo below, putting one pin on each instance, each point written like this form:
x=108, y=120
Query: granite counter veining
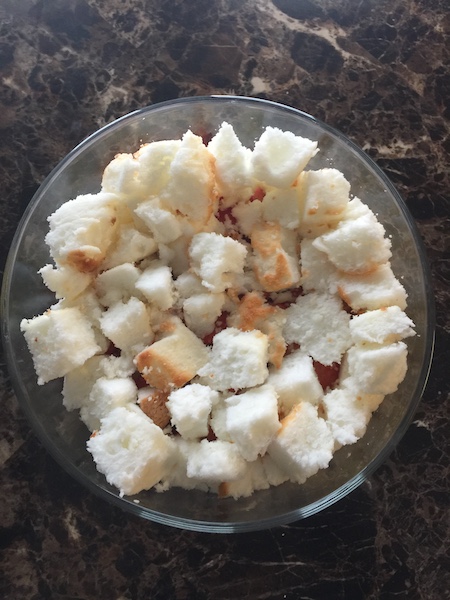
x=378, y=70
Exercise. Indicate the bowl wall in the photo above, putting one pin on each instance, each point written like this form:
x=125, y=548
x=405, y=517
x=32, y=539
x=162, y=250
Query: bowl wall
x=24, y=295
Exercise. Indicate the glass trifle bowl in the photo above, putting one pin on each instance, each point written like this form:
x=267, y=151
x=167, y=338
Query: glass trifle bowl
x=24, y=296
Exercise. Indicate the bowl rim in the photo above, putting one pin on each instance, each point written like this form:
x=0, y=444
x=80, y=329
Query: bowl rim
x=196, y=524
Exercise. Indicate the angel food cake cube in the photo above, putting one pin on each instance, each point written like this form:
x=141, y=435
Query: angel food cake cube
x=356, y=246
x=105, y=395
x=303, y=445
x=216, y=259
x=154, y=161
x=254, y=478
x=325, y=197
x=188, y=284
x=136, y=177
x=282, y=206
x=132, y=452
x=163, y=224
x=202, y=310
x=78, y=382
x=120, y=177
x=65, y=282
x=127, y=324
x=117, y=284
x=214, y=461
x=279, y=157
x=253, y=312
x=378, y=289
x=174, y=360
x=131, y=246
x=190, y=408
x=275, y=267
x=156, y=284
x=59, y=340
x=232, y=165
x=295, y=381
x=81, y=231
x=348, y=414
x=377, y=369
x=325, y=333
x=238, y=360
x=190, y=188
x=252, y=420
x=318, y=273
x=381, y=326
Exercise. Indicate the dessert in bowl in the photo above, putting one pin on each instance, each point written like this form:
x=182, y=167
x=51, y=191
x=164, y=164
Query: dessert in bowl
x=240, y=296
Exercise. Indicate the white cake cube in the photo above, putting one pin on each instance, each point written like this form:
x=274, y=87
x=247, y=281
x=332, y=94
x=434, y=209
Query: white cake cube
x=156, y=285
x=82, y=230
x=177, y=475
x=218, y=420
x=357, y=246
x=201, y=312
x=190, y=408
x=252, y=420
x=381, y=326
x=127, y=324
x=131, y=247
x=132, y=452
x=275, y=260
x=254, y=478
x=280, y=156
x=65, y=282
x=59, y=341
x=117, y=284
x=274, y=474
x=154, y=160
x=163, y=224
x=317, y=271
x=179, y=261
x=118, y=366
x=89, y=306
x=215, y=461
x=232, y=165
x=376, y=369
x=238, y=360
x=120, y=178
x=190, y=187
x=282, y=206
x=174, y=360
x=253, y=312
x=216, y=259
x=105, y=395
x=189, y=284
x=320, y=325
x=347, y=415
x=375, y=290
x=304, y=443
x=295, y=381
x=350, y=385
x=325, y=197
x=79, y=381
x=355, y=209
x=88, y=303
x=248, y=215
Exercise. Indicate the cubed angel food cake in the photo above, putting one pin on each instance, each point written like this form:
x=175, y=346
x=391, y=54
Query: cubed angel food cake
x=226, y=317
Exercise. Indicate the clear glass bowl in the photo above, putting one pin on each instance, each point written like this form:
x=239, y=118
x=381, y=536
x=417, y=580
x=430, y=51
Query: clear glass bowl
x=24, y=295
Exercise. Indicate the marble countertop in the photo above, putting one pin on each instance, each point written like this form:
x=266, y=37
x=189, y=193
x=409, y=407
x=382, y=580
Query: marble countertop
x=378, y=70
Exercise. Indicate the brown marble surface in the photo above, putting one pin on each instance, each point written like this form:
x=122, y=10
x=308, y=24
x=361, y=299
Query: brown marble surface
x=378, y=70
